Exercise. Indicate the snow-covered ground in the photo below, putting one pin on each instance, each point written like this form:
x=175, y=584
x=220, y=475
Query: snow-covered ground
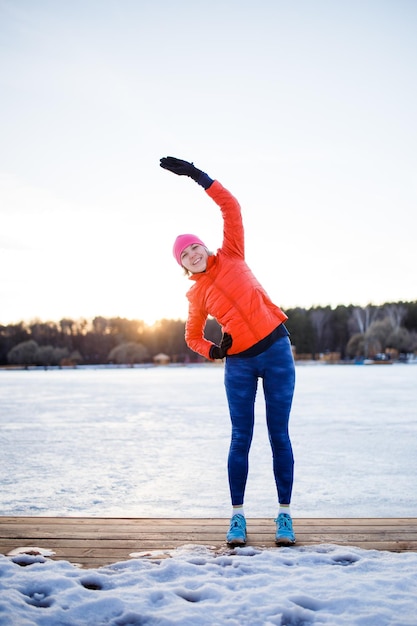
x=288, y=586
x=153, y=441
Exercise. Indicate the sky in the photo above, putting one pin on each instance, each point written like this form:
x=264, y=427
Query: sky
x=305, y=111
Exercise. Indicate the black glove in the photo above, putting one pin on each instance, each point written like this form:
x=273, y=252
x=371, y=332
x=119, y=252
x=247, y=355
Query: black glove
x=219, y=352
x=184, y=168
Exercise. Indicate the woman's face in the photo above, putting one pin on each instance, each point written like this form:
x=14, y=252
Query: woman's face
x=194, y=258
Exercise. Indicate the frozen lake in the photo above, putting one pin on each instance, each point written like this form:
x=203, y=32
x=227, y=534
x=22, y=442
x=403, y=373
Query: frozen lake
x=154, y=441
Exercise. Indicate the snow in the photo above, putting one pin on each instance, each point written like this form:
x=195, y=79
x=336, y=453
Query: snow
x=353, y=430
x=292, y=586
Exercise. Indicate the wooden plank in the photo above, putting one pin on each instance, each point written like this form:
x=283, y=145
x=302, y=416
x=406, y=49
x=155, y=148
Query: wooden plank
x=94, y=542
x=198, y=522
x=401, y=542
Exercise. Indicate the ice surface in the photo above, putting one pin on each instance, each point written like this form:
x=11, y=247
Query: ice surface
x=154, y=441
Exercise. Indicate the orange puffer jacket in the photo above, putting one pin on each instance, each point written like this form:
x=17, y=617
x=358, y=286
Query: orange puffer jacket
x=227, y=290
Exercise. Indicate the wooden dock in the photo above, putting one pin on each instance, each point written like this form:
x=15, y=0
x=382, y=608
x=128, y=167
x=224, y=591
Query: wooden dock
x=94, y=542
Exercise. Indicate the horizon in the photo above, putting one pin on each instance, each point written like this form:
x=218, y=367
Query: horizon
x=151, y=323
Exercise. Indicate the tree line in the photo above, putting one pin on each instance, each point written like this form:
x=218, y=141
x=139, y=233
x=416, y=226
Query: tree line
x=347, y=332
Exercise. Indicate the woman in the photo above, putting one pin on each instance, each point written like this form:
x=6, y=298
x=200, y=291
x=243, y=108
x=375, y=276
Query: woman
x=255, y=343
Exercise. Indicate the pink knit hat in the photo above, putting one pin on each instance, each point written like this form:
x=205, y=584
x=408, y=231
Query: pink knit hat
x=181, y=242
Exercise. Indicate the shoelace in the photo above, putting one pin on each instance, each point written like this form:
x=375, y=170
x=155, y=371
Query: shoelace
x=284, y=523
x=238, y=524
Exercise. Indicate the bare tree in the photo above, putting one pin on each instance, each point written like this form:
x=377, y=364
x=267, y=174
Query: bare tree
x=363, y=317
x=24, y=353
x=400, y=339
x=396, y=314
x=376, y=337
x=356, y=345
x=320, y=318
x=128, y=353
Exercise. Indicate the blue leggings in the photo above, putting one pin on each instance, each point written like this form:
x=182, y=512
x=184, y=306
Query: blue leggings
x=276, y=368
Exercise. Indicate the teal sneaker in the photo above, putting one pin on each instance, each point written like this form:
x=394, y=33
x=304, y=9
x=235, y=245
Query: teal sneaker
x=237, y=531
x=285, y=534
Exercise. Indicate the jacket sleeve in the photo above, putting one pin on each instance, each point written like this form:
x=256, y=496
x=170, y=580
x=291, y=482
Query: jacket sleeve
x=233, y=246
x=233, y=233
x=194, y=330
